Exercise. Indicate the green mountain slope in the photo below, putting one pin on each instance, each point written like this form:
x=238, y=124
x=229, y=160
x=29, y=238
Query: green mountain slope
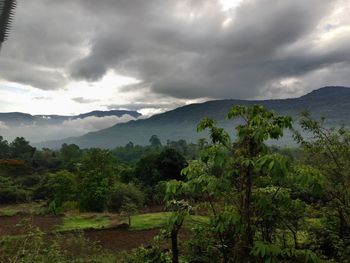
x=330, y=102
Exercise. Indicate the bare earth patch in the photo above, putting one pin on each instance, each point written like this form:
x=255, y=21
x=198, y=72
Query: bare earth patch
x=8, y=224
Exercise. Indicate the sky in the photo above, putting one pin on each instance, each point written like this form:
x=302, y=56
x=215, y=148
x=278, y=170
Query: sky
x=74, y=56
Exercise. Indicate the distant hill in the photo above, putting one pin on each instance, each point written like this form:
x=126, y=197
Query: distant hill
x=36, y=128
x=330, y=102
x=18, y=118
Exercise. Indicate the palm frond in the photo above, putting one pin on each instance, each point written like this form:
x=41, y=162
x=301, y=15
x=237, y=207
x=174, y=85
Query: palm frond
x=7, y=8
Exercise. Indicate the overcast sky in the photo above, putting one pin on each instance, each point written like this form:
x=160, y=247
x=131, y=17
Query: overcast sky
x=73, y=56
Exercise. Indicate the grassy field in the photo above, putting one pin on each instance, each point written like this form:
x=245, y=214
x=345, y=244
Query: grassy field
x=138, y=222
x=149, y=221
x=81, y=222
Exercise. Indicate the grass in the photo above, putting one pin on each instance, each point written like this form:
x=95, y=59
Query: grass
x=28, y=208
x=138, y=222
x=8, y=212
x=158, y=220
x=80, y=222
x=149, y=221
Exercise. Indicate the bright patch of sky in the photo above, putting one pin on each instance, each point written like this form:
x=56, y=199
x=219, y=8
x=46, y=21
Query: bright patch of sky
x=20, y=98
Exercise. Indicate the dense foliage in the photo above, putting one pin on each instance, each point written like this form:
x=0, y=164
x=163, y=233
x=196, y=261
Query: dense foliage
x=89, y=179
x=257, y=203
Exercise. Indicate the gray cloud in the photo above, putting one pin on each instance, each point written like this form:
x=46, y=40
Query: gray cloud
x=184, y=49
x=45, y=37
x=183, y=59
x=83, y=100
x=42, y=98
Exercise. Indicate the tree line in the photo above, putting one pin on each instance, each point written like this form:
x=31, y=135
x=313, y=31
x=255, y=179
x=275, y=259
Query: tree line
x=89, y=179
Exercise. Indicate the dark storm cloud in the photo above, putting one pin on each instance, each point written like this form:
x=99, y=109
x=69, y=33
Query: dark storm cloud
x=46, y=36
x=179, y=48
x=29, y=74
x=184, y=58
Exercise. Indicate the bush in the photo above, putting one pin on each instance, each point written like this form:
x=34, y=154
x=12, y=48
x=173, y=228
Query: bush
x=10, y=193
x=122, y=194
x=146, y=255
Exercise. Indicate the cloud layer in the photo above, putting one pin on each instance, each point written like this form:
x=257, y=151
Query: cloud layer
x=180, y=50
x=37, y=133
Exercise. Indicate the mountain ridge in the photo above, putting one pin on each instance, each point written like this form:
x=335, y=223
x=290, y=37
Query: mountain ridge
x=16, y=118
x=181, y=123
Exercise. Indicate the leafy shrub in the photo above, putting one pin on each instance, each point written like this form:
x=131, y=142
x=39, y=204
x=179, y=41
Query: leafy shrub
x=10, y=193
x=151, y=254
x=123, y=194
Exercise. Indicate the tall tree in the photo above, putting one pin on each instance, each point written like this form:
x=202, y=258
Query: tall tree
x=328, y=150
x=243, y=186
x=98, y=172
x=155, y=141
x=21, y=149
x=4, y=148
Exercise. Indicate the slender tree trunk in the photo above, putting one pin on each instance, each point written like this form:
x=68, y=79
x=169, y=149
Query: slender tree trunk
x=174, y=246
x=343, y=225
x=295, y=237
x=247, y=240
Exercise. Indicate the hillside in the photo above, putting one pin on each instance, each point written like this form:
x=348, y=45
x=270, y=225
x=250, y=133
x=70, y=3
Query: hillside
x=19, y=118
x=330, y=102
x=37, y=128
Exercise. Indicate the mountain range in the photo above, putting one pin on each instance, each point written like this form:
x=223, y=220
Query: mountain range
x=36, y=128
x=18, y=118
x=333, y=103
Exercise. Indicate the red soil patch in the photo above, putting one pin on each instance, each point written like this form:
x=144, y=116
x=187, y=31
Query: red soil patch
x=113, y=239
x=153, y=209
x=8, y=224
x=117, y=241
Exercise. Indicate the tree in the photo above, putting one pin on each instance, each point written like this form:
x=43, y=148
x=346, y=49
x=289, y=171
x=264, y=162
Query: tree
x=124, y=197
x=21, y=149
x=180, y=211
x=328, y=150
x=169, y=164
x=240, y=184
x=46, y=159
x=251, y=160
x=4, y=148
x=98, y=174
x=129, y=145
x=70, y=155
x=146, y=170
x=155, y=141
x=164, y=166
